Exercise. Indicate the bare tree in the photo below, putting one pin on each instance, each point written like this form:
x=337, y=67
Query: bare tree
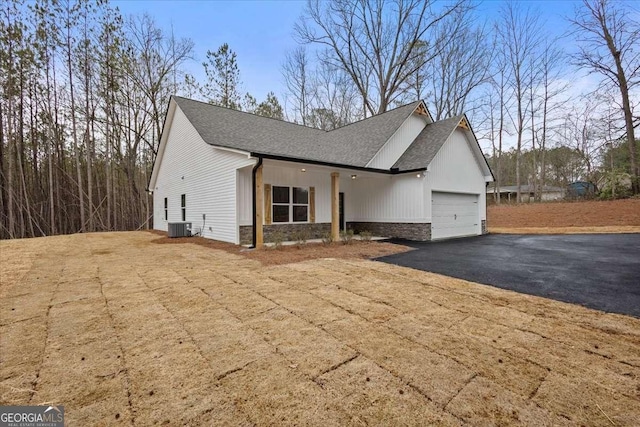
x=70, y=21
x=519, y=35
x=76, y=151
x=374, y=43
x=495, y=114
x=155, y=56
x=549, y=102
x=297, y=74
x=334, y=92
x=609, y=36
x=323, y=96
x=581, y=132
x=460, y=66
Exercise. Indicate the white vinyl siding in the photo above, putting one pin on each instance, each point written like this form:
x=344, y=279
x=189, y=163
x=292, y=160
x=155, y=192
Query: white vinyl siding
x=166, y=208
x=207, y=177
x=393, y=149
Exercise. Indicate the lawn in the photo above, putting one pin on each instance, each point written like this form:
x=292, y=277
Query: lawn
x=122, y=330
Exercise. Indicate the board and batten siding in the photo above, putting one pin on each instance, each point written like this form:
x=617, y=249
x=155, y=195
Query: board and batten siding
x=245, y=196
x=455, y=169
x=387, y=198
x=205, y=174
x=398, y=143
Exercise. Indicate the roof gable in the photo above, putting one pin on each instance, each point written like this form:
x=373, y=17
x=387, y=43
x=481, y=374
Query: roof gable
x=428, y=143
x=354, y=144
x=359, y=142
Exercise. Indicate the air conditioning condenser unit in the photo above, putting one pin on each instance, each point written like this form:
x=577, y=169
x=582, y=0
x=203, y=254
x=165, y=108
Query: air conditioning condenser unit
x=179, y=229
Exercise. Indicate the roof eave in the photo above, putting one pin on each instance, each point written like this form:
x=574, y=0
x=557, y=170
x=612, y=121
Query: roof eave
x=490, y=177
x=161, y=146
x=392, y=171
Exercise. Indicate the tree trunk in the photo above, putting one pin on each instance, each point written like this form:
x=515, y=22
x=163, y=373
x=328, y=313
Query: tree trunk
x=76, y=149
x=10, y=146
x=626, y=106
x=500, y=133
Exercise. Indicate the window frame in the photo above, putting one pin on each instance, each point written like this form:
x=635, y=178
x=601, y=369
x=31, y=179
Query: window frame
x=294, y=205
x=183, y=206
x=290, y=204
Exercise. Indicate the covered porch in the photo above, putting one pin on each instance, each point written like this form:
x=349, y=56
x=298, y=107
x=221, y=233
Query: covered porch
x=290, y=201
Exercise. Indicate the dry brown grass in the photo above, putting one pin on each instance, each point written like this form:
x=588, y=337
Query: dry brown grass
x=566, y=214
x=124, y=331
x=615, y=229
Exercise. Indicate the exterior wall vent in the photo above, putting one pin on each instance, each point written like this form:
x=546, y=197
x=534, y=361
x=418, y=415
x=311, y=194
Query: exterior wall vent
x=179, y=229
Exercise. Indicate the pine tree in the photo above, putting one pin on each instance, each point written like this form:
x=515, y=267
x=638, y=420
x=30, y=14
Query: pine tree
x=270, y=107
x=223, y=78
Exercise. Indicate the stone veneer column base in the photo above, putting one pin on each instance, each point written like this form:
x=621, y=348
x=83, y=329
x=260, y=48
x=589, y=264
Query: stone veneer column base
x=401, y=230
x=484, y=227
x=314, y=231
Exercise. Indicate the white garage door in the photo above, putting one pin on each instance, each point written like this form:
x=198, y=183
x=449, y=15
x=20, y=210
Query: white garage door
x=454, y=215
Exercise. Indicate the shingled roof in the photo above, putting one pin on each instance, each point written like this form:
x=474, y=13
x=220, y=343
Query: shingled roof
x=352, y=145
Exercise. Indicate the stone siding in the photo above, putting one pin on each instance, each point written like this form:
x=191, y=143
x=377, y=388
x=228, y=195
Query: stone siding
x=402, y=230
x=314, y=231
x=484, y=227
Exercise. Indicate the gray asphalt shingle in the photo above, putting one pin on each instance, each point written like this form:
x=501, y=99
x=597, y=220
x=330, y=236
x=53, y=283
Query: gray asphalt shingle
x=352, y=145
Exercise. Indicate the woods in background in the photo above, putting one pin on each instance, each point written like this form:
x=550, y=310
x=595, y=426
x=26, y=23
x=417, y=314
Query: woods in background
x=84, y=91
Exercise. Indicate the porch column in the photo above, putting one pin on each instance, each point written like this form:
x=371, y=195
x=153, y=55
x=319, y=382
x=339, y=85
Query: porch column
x=259, y=207
x=335, y=204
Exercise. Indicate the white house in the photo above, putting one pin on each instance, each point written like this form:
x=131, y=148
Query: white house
x=239, y=177
x=509, y=193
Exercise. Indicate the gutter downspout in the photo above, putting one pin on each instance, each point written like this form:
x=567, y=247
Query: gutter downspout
x=253, y=192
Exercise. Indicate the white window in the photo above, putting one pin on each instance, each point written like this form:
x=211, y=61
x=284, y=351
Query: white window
x=290, y=204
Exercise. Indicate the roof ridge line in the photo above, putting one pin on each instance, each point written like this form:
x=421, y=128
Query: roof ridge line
x=251, y=114
x=375, y=115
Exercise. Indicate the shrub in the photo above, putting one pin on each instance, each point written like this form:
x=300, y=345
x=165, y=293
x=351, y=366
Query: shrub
x=278, y=238
x=346, y=237
x=616, y=186
x=365, y=236
x=327, y=239
x=300, y=236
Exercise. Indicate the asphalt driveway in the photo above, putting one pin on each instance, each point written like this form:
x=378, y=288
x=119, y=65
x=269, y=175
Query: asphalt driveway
x=600, y=271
